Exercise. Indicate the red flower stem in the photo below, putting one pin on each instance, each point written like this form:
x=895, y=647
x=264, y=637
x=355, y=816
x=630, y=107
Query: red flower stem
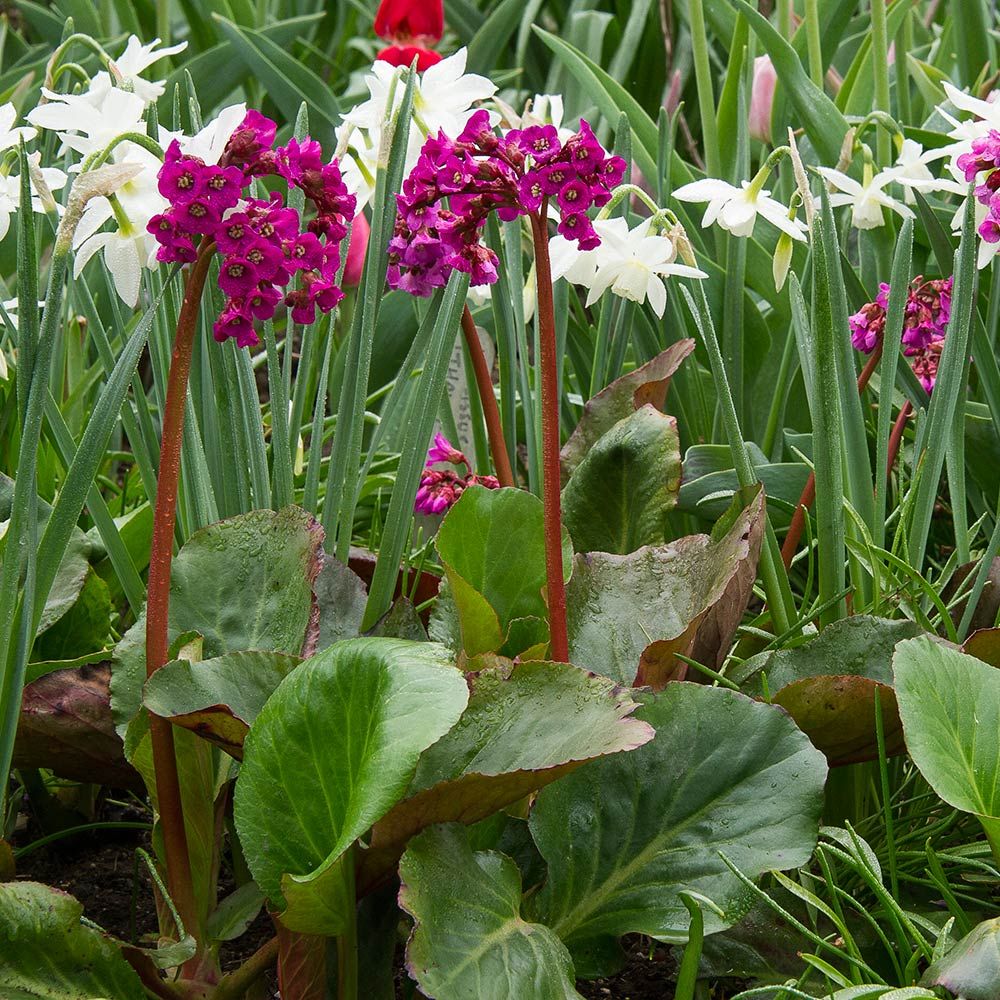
x=897, y=435
x=808, y=497
x=555, y=585
x=168, y=789
x=491, y=412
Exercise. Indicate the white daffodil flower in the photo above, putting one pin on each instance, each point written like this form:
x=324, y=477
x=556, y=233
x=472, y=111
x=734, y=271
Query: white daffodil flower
x=911, y=170
x=87, y=122
x=867, y=198
x=10, y=136
x=10, y=195
x=736, y=209
x=136, y=59
x=443, y=99
x=633, y=264
x=567, y=260
x=126, y=251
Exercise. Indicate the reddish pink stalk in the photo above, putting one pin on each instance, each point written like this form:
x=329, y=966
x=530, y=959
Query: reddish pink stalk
x=555, y=585
x=168, y=790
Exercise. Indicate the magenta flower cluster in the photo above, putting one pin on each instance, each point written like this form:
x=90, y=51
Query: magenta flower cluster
x=262, y=241
x=515, y=174
x=985, y=158
x=441, y=488
x=925, y=323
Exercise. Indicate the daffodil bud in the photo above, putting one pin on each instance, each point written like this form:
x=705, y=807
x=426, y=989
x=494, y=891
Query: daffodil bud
x=782, y=260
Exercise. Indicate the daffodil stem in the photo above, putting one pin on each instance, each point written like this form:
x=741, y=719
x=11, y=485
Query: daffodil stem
x=555, y=586
x=880, y=64
x=814, y=42
x=488, y=400
x=168, y=790
x=706, y=91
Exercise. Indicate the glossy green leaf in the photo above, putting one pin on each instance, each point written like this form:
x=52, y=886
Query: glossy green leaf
x=829, y=683
x=526, y=725
x=331, y=752
x=469, y=938
x=972, y=968
x=950, y=706
x=493, y=549
x=261, y=567
x=618, y=497
x=649, y=383
x=623, y=836
x=68, y=582
x=48, y=953
x=85, y=628
x=217, y=698
x=628, y=616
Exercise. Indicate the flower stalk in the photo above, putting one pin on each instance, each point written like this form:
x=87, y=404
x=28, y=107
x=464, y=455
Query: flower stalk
x=488, y=400
x=551, y=499
x=179, y=881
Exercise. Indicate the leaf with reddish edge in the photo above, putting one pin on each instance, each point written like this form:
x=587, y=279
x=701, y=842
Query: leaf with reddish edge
x=243, y=583
x=301, y=964
x=647, y=384
x=972, y=968
x=219, y=698
x=526, y=725
x=629, y=615
x=65, y=726
x=828, y=685
x=469, y=938
x=984, y=645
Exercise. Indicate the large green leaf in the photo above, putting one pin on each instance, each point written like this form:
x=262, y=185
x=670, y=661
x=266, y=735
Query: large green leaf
x=828, y=685
x=217, y=698
x=242, y=584
x=48, y=953
x=526, y=725
x=623, y=836
x=972, y=968
x=492, y=545
x=950, y=706
x=469, y=938
x=331, y=752
x=648, y=383
x=68, y=582
x=628, y=616
x=618, y=497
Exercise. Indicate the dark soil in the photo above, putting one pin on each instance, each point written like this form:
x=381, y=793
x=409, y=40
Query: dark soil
x=102, y=871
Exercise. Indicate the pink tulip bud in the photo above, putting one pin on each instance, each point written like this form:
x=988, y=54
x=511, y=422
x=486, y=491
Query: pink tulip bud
x=356, y=250
x=762, y=98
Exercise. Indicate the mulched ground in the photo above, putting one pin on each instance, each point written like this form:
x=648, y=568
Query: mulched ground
x=100, y=870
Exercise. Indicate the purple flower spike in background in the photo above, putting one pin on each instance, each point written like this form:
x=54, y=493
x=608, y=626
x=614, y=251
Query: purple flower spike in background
x=263, y=243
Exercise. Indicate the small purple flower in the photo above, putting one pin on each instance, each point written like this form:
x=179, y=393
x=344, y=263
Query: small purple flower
x=574, y=196
x=444, y=451
x=262, y=302
x=540, y=142
x=234, y=321
x=305, y=252
x=181, y=178
x=222, y=186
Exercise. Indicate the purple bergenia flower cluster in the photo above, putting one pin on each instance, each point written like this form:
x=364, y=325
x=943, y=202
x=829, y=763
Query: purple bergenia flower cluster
x=985, y=158
x=262, y=241
x=925, y=323
x=514, y=174
x=441, y=488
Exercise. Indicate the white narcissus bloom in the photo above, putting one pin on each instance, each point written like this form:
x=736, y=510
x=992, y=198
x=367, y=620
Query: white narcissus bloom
x=443, y=99
x=736, y=208
x=911, y=170
x=136, y=59
x=631, y=263
x=86, y=123
x=125, y=253
x=210, y=142
x=867, y=198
